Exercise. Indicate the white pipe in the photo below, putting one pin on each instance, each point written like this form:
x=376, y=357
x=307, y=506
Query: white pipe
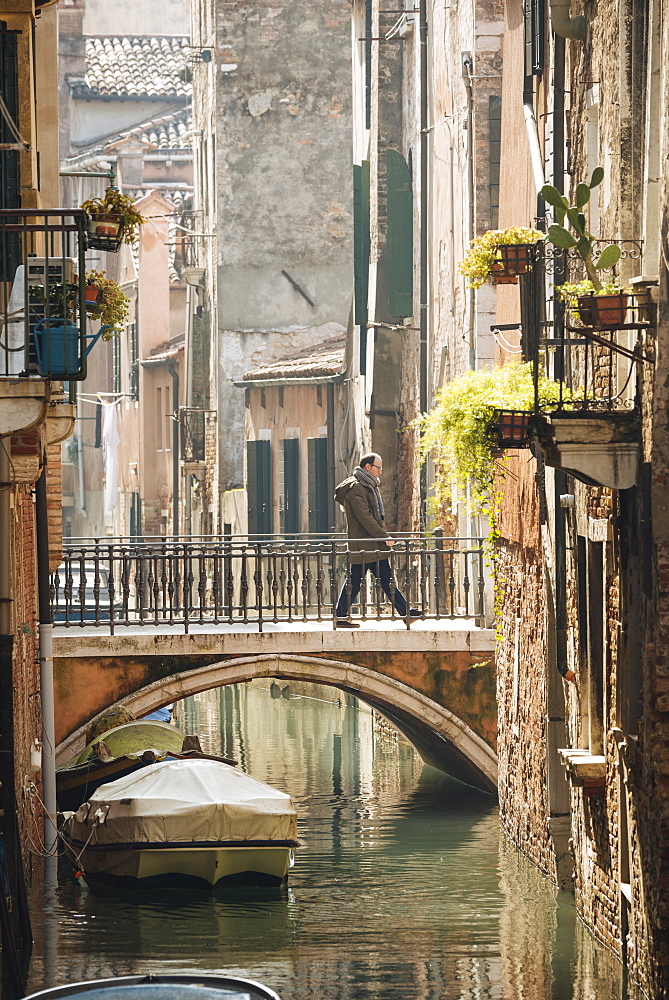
x=80, y=460
x=536, y=158
x=563, y=24
x=48, y=737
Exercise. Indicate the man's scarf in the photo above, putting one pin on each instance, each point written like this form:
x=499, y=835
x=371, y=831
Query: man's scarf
x=367, y=480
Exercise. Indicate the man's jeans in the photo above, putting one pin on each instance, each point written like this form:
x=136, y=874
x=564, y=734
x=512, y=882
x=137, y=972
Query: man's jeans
x=382, y=571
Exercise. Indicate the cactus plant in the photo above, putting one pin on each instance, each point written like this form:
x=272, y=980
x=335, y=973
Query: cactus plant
x=580, y=238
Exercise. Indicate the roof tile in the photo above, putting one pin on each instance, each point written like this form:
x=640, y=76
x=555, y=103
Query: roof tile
x=134, y=66
x=322, y=360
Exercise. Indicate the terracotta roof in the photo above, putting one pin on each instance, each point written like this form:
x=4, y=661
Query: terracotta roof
x=165, y=132
x=166, y=352
x=134, y=66
x=321, y=361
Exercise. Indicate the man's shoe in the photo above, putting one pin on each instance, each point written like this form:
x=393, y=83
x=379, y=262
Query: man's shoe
x=345, y=623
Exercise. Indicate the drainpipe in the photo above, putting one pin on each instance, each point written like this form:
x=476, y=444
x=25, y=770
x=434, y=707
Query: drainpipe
x=560, y=477
x=467, y=69
x=175, y=448
x=423, y=317
x=330, y=390
x=46, y=668
x=5, y=534
x=564, y=25
x=80, y=463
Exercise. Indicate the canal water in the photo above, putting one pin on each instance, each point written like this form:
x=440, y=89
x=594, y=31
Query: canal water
x=403, y=889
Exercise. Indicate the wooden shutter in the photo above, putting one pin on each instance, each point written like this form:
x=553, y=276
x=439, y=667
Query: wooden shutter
x=317, y=451
x=10, y=245
x=289, y=486
x=259, y=486
x=361, y=240
x=400, y=235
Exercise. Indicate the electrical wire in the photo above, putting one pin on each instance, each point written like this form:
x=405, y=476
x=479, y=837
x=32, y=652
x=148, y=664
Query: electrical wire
x=9, y=121
x=511, y=348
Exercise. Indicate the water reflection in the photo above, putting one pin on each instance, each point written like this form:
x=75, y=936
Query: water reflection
x=403, y=887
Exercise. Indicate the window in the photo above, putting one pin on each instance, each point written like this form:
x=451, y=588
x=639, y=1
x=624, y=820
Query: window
x=289, y=486
x=534, y=37
x=135, y=514
x=259, y=487
x=116, y=365
x=592, y=638
x=159, y=419
x=133, y=373
x=399, y=248
x=319, y=499
x=495, y=133
x=9, y=161
x=361, y=239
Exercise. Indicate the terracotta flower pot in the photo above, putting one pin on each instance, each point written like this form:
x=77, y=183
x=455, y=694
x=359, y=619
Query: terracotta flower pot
x=511, y=428
x=501, y=276
x=92, y=293
x=104, y=231
x=516, y=257
x=609, y=310
x=585, y=309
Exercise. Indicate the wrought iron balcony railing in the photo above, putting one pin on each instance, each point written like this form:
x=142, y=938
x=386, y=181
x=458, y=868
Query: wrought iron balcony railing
x=252, y=580
x=42, y=294
x=194, y=424
x=596, y=355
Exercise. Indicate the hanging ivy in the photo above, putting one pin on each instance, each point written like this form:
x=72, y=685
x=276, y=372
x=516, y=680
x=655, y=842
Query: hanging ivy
x=456, y=432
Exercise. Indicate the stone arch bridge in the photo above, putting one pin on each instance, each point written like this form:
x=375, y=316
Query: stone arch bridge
x=436, y=682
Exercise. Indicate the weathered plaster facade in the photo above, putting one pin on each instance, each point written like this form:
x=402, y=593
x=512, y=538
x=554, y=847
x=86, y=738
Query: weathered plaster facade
x=274, y=126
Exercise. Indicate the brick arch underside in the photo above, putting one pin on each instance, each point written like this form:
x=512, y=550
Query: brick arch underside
x=442, y=739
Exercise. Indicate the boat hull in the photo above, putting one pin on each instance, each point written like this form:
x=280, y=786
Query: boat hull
x=195, y=867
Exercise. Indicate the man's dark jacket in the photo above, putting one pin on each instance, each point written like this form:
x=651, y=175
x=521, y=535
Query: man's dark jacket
x=365, y=527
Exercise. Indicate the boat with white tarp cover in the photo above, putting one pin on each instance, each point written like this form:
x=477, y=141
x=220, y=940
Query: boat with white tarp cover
x=196, y=823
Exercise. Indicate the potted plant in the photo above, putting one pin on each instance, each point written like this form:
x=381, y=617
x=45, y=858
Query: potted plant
x=457, y=432
x=112, y=220
x=580, y=239
x=502, y=254
x=599, y=307
x=60, y=299
x=511, y=428
x=107, y=302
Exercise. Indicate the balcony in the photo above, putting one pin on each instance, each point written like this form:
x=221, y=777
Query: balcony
x=196, y=425
x=603, y=366
x=42, y=300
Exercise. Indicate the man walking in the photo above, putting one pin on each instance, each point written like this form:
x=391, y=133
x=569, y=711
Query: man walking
x=360, y=497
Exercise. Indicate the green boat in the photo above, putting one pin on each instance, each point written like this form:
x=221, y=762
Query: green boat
x=120, y=751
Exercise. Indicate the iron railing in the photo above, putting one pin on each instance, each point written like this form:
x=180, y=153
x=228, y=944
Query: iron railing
x=597, y=365
x=233, y=580
x=193, y=426
x=42, y=293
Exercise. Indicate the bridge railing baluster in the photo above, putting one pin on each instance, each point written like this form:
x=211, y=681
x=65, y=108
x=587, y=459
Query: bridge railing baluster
x=166, y=582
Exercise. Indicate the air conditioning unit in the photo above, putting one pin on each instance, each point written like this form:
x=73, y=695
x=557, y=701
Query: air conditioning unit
x=50, y=270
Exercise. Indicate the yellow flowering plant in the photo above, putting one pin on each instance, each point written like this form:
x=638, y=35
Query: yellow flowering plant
x=483, y=252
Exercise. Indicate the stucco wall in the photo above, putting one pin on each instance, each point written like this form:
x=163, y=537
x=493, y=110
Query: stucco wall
x=283, y=201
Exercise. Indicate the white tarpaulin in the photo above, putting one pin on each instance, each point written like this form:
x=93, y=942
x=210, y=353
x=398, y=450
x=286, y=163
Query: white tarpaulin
x=185, y=800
